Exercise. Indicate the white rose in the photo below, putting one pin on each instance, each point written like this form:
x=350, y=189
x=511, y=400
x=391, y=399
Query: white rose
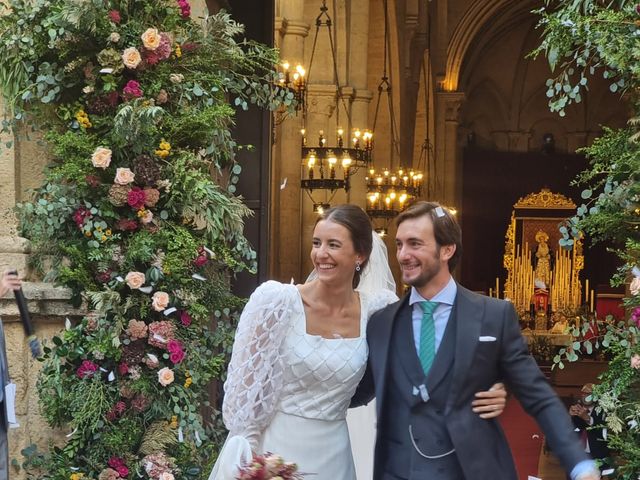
x=88, y=89
x=165, y=376
x=124, y=176
x=151, y=38
x=114, y=37
x=101, y=157
x=176, y=78
x=166, y=476
x=635, y=286
x=131, y=57
x=135, y=279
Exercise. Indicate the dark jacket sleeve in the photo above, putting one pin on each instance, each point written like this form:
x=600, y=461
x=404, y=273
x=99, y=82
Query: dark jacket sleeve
x=535, y=394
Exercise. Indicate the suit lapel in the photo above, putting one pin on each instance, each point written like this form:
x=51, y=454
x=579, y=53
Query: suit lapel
x=381, y=352
x=405, y=346
x=469, y=313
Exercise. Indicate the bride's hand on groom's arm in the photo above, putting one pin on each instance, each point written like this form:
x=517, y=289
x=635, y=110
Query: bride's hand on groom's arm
x=490, y=404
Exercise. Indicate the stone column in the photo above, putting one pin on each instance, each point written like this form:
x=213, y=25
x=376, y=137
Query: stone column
x=448, y=187
x=21, y=166
x=286, y=234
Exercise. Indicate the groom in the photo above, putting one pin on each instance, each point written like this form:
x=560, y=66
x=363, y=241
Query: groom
x=429, y=353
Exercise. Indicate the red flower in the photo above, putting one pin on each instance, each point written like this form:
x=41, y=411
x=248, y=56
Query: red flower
x=135, y=198
x=123, y=368
x=185, y=318
x=114, y=16
x=126, y=224
x=200, y=260
x=118, y=465
x=86, y=369
x=120, y=407
x=104, y=277
x=176, y=352
x=92, y=181
x=638, y=8
x=132, y=90
x=80, y=215
x=112, y=98
x=185, y=8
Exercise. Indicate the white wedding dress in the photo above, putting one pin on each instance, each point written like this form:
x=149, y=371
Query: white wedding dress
x=287, y=391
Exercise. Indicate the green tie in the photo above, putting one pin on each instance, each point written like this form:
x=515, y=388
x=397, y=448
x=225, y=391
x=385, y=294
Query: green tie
x=427, y=336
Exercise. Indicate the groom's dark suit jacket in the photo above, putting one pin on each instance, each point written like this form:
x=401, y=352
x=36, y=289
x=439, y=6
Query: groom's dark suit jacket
x=482, y=344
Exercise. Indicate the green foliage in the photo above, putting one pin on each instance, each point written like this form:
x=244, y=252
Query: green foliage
x=137, y=216
x=581, y=37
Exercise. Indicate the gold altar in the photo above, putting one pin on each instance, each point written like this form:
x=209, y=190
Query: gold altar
x=542, y=277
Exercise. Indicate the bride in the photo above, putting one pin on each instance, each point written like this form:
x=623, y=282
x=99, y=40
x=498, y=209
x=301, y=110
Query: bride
x=300, y=352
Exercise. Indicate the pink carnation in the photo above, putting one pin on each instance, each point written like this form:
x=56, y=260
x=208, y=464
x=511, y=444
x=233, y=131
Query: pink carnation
x=176, y=350
x=136, y=197
x=132, y=90
x=118, y=464
x=185, y=8
x=86, y=369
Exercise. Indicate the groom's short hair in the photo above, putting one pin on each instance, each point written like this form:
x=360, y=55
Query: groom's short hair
x=445, y=226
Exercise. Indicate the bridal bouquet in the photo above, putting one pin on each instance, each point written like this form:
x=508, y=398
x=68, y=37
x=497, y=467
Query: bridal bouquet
x=269, y=466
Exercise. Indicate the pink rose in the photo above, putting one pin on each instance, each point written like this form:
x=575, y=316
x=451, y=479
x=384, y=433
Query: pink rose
x=135, y=279
x=124, y=176
x=160, y=301
x=131, y=58
x=165, y=376
x=101, y=157
x=634, y=288
x=151, y=38
x=635, y=361
x=147, y=217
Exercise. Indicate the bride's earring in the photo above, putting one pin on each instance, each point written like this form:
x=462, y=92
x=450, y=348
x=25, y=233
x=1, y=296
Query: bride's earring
x=357, y=266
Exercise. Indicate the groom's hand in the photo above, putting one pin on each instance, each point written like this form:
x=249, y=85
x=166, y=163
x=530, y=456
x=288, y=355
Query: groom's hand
x=490, y=404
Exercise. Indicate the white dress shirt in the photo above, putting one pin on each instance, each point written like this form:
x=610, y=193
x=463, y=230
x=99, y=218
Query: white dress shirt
x=445, y=298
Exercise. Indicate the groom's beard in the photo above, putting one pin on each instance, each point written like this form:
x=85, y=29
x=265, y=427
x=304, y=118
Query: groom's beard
x=430, y=268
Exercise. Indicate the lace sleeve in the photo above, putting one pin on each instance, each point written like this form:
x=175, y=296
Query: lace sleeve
x=378, y=300
x=255, y=372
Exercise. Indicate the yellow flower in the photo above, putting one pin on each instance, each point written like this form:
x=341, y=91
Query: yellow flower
x=76, y=476
x=142, y=212
x=188, y=382
x=178, y=51
x=162, y=153
x=103, y=238
x=164, y=145
x=87, y=234
x=108, y=232
x=174, y=422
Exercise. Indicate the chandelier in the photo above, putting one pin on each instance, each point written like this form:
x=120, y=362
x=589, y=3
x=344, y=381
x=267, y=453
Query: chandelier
x=390, y=190
x=328, y=163
x=294, y=82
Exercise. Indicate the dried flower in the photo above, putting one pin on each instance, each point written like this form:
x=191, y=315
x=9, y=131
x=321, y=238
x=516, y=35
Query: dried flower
x=140, y=403
x=151, y=197
x=126, y=225
x=176, y=78
x=108, y=474
x=160, y=333
x=151, y=361
x=137, y=329
x=162, y=97
x=147, y=170
x=119, y=194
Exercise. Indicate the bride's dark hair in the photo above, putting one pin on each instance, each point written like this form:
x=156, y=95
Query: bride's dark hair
x=354, y=219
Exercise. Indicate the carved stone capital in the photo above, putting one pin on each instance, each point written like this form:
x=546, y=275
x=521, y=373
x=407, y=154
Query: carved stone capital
x=451, y=102
x=294, y=27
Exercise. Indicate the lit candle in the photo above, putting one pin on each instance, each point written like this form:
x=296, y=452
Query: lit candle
x=586, y=290
x=497, y=287
x=304, y=138
x=340, y=132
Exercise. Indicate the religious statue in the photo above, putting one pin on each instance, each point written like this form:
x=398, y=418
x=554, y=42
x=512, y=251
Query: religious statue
x=543, y=258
